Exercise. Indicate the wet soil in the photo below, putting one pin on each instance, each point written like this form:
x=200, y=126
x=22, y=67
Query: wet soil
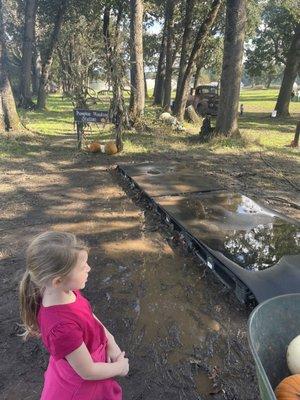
x=185, y=334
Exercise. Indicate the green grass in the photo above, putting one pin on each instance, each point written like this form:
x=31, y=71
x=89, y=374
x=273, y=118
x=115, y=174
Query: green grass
x=57, y=119
x=263, y=101
x=258, y=130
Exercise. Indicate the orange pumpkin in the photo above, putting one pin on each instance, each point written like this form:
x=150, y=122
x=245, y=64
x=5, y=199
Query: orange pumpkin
x=94, y=147
x=111, y=148
x=289, y=388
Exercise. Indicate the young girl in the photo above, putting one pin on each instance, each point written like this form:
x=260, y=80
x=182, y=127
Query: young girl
x=83, y=354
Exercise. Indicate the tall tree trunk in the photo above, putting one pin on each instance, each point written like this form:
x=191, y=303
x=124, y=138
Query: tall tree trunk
x=185, y=41
x=160, y=74
x=196, y=52
x=137, y=95
x=289, y=76
x=268, y=83
x=36, y=67
x=115, y=76
x=197, y=75
x=9, y=119
x=169, y=56
x=295, y=142
x=227, y=123
x=48, y=57
x=27, y=53
x=146, y=87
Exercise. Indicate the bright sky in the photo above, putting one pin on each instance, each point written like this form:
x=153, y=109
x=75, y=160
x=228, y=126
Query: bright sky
x=156, y=28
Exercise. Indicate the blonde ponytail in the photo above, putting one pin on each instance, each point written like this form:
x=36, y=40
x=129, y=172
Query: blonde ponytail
x=50, y=255
x=30, y=298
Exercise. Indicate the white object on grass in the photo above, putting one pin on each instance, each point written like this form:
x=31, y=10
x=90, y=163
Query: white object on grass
x=293, y=355
x=274, y=113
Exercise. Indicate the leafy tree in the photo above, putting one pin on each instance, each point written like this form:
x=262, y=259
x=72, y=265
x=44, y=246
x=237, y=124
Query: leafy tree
x=196, y=52
x=187, y=34
x=291, y=70
x=79, y=52
x=115, y=67
x=53, y=15
x=267, y=52
x=210, y=60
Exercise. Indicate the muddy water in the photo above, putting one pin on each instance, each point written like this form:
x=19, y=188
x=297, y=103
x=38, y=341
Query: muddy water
x=254, y=237
x=167, y=306
x=174, y=326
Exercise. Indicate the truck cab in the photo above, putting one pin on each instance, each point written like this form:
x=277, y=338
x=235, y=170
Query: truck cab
x=205, y=99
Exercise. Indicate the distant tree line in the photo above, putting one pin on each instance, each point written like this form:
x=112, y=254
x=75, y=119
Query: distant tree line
x=71, y=42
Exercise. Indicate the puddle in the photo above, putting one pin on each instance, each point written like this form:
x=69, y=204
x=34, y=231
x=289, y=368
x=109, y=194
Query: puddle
x=165, y=296
x=157, y=168
x=253, y=237
x=174, y=178
x=203, y=383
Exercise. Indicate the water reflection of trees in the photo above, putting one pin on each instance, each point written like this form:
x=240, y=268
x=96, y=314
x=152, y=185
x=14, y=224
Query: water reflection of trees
x=263, y=246
x=235, y=225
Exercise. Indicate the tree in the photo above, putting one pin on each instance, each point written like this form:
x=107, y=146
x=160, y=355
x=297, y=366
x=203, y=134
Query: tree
x=160, y=74
x=169, y=54
x=232, y=68
x=290, y=73
x=295, y=141
x=27, y=53
x=78, y=53
x=196, y=52
x=116, y=71
x=9, y=119
x=266, y=53
x=261, y=66
x=47, y=56
x=137, y=95
x=185, y=42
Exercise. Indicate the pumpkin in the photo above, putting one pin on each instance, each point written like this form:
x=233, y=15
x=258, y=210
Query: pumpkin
x=289, y=388
x=293, y=355
x=110, y=148
x=94, y=147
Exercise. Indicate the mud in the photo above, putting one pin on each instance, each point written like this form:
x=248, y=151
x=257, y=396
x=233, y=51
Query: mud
x=185, y=334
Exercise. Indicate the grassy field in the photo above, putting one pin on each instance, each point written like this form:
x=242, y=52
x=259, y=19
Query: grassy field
x=258, y=130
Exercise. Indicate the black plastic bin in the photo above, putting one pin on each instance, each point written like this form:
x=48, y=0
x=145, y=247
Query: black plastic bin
x=272, y=325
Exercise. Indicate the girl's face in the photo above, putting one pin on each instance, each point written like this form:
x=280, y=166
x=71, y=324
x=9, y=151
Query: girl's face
x=77, y=278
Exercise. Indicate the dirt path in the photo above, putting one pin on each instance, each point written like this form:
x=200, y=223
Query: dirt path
x=184, y=333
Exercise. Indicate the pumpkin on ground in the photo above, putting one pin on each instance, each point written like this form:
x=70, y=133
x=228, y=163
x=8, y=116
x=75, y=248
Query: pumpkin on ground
x=110, y=148
x=293, y=355
x=289, y=388
x=94, y=147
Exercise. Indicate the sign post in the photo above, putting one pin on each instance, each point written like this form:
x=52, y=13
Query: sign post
x=82, y=117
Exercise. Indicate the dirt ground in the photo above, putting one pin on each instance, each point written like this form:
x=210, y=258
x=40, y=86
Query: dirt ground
x=184, y=333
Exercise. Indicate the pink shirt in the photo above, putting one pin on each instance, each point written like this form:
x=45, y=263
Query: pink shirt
x=64, y=327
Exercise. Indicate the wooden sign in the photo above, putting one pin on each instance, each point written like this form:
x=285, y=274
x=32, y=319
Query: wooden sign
x=81, y=115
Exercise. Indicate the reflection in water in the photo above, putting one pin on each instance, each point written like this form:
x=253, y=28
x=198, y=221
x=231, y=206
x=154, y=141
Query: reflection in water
x=248, y=234
x=262, y=246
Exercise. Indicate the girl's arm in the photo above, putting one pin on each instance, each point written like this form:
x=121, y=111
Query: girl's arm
x=83, y=364
x=113, y=350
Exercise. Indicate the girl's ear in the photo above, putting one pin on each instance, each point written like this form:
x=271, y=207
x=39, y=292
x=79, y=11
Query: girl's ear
x=56, y=282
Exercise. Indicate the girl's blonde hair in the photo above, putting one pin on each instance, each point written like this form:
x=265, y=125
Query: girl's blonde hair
x=50, y=255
